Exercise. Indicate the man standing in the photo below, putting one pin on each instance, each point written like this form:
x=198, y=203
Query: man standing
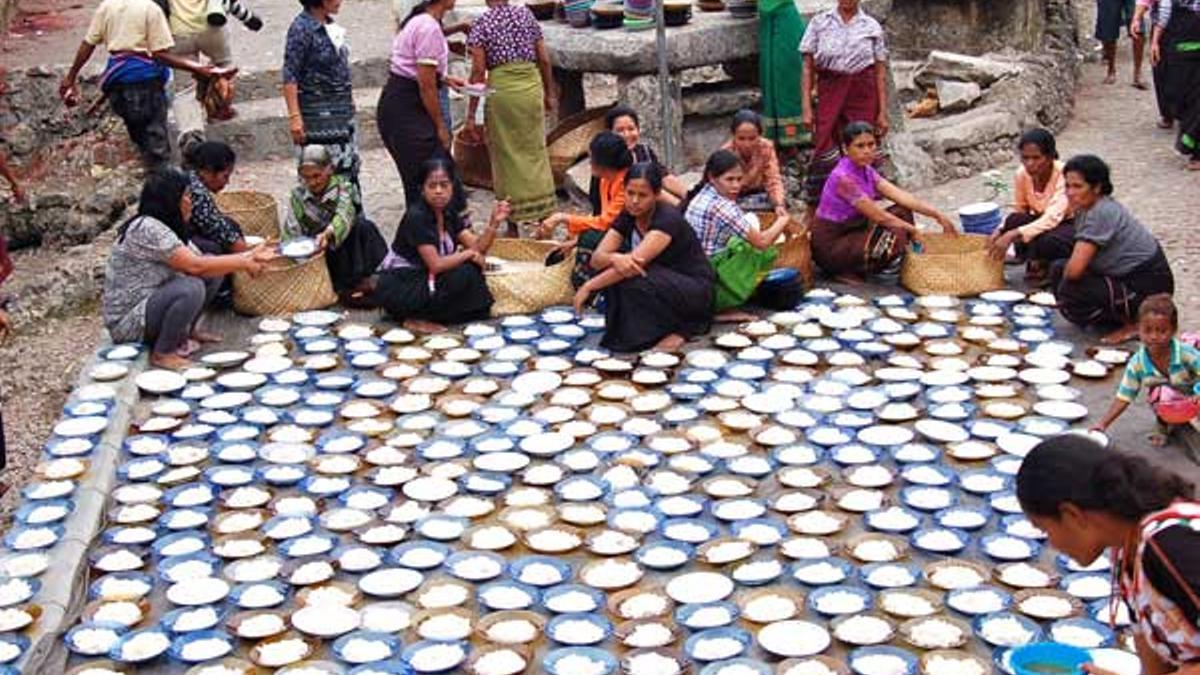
x=198, y=27
x=138, y=39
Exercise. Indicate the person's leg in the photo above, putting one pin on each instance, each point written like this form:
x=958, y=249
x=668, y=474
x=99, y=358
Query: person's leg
x=143, y=109
x=171, y=313
x=1137, y=43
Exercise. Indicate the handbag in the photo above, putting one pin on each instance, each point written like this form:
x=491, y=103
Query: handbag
x=739, y=267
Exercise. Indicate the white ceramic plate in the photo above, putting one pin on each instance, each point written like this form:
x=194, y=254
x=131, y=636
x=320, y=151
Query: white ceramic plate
x=161, y=382
x=699, y=587
x=792, y=639
x=942, y=432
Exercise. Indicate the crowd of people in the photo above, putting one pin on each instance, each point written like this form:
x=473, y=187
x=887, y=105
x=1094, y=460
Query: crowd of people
x=696, y=253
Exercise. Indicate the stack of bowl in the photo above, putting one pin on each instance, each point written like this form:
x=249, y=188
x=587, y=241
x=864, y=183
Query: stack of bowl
x=608, y=14
x=639, y=14
x=579, y=12
x=677, y=12
x=980, y=218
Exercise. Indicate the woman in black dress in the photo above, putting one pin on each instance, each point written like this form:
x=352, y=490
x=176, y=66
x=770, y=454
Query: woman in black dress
x=658, y=283
x=434, y=272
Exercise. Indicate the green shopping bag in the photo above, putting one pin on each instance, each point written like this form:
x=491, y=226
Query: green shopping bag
x=740, y=267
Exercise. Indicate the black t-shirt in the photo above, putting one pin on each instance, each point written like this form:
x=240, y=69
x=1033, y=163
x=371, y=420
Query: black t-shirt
x=419, y=228
x=684, y=254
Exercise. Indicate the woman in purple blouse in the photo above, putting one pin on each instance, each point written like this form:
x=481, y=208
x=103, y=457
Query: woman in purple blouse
x=854, y=236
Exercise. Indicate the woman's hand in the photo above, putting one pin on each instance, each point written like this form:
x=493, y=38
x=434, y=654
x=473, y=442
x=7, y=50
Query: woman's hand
x=998, y=244
x=1155, y=52
x=444, y=137
x=781, y=211
x=470, y=131
x=581, y=298
x=1093, y=669
x=550, y=98
x=500, y=213
x=627, y=266
x=883, y=124
x=296, y=128
x=476, y=258
x=5, y=326
x=948, y=227
x=546, y=229
x=455, y=82
x=806, y=117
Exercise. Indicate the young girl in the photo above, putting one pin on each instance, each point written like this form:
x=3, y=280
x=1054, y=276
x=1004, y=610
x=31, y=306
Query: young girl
x=1158, y=321
x=624, y=122
x=434, y=272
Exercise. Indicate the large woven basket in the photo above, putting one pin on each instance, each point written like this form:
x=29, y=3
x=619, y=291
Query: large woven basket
x=946, y=265
x=569, y=141
x=795, y=249
x=284, y=287
x=255, y=212
x=471, y=158
x=535, y=286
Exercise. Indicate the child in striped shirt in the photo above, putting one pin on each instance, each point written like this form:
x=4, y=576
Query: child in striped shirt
x=1163, y=361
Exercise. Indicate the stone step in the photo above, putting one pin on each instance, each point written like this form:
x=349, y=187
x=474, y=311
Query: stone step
x=253, y=85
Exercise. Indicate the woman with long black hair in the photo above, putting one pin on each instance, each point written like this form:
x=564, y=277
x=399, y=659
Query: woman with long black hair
x=1090, y=500
x=155, y=285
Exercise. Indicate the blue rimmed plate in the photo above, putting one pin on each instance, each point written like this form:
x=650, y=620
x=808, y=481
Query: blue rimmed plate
x=928, y=498
x=905, y=662
x=580, y=629
x=841, y=600
x=718, y=644
x=192, y=619
x=424, y=663
x=539, y=570
x=45, y=512
x=664, y=554
x=259, y=595
x=1082, y=633
x=373, y=646
x=1087, y=586
x=202, y=646
x=694, y=531
x=102, y=637
x=916, y=453
x=503, y=596
x=1007, y=548
x=571, y=598
x=599, y=658
x=894, y=519
x=33, y=538
x=964, y=517
x=311, y=544
x=475, y=566
x=150, y=644
x=883, y=576
x=743, y=666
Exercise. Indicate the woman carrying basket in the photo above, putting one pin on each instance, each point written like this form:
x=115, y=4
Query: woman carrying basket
x=853, y=235
x=434, y=272
x=325, y=206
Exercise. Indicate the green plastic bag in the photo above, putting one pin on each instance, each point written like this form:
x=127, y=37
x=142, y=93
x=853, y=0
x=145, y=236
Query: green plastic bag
x=739, y=267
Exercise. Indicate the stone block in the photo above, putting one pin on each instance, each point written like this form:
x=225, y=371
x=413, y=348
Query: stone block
x=719, y=99
x=955, y=96
x=950, y=66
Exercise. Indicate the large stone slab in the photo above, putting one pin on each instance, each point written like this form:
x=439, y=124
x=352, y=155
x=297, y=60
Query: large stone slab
x=955, y=96
x=950, y=66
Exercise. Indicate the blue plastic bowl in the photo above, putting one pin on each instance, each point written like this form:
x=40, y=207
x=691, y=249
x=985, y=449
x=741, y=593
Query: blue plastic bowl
x=1048, y=658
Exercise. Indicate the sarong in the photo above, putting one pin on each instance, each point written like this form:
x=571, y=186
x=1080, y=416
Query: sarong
x=859, y=246
x=1181, y=54
x=780, y=28
x=407, y=131
x=841, y=99
x=1055, y=244
x=517, y=141
x=1095, y=300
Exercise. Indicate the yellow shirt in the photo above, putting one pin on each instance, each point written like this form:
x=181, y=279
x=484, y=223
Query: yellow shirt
x=189, y=17
x=130, y=26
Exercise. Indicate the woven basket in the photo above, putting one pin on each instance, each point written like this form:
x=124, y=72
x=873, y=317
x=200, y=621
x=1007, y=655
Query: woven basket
x=525, y=292
x=255, y=212
x=958, y=266
x=568, y=142
x=284, y=287
x=795, y=250
x=474, y=164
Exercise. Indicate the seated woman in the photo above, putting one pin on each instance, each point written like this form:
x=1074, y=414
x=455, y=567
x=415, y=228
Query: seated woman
x=853, y=236
x=1115, y=263
x=610, y=160
x=211, y=164
x=762, y=183
x=660, y=293
x=624, y=122
x=714, y=215
x=1040, y=226
x=325, y=206
x=154, y=284
x=434, y=273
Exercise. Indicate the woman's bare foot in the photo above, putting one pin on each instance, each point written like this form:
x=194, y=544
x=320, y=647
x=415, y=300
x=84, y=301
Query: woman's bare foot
x=1138, y=84
x=203, y=336
x=1165, y=123
x=670, y=343
x=188, y=348
x=1193, y=165
x=734, y=316
x=169, y=361
x=1121, y=335
x=1157, y=439
x=1111, y=78
x=418, y=326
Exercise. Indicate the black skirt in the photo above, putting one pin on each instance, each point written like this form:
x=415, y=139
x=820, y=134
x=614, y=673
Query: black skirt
x=408, y=132
x=643, y=310
x=1095, y=300
x=459, y=295
x=358, y=257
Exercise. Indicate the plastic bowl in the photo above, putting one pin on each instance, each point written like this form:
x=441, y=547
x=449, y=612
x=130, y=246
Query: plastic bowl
x=1048, y=658
x=1180, y=411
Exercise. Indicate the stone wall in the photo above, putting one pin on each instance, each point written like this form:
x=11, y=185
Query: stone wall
x=966, y=26
x=1031, y=88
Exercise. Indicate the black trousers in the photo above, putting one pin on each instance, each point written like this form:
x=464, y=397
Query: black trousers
x=142, y=106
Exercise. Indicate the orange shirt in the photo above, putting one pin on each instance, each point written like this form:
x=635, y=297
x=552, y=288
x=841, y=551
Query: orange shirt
x=1050, y=205
x=612, y=202
x=761, y=171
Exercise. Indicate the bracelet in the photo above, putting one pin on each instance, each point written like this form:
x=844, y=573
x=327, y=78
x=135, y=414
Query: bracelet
x=292, y=116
